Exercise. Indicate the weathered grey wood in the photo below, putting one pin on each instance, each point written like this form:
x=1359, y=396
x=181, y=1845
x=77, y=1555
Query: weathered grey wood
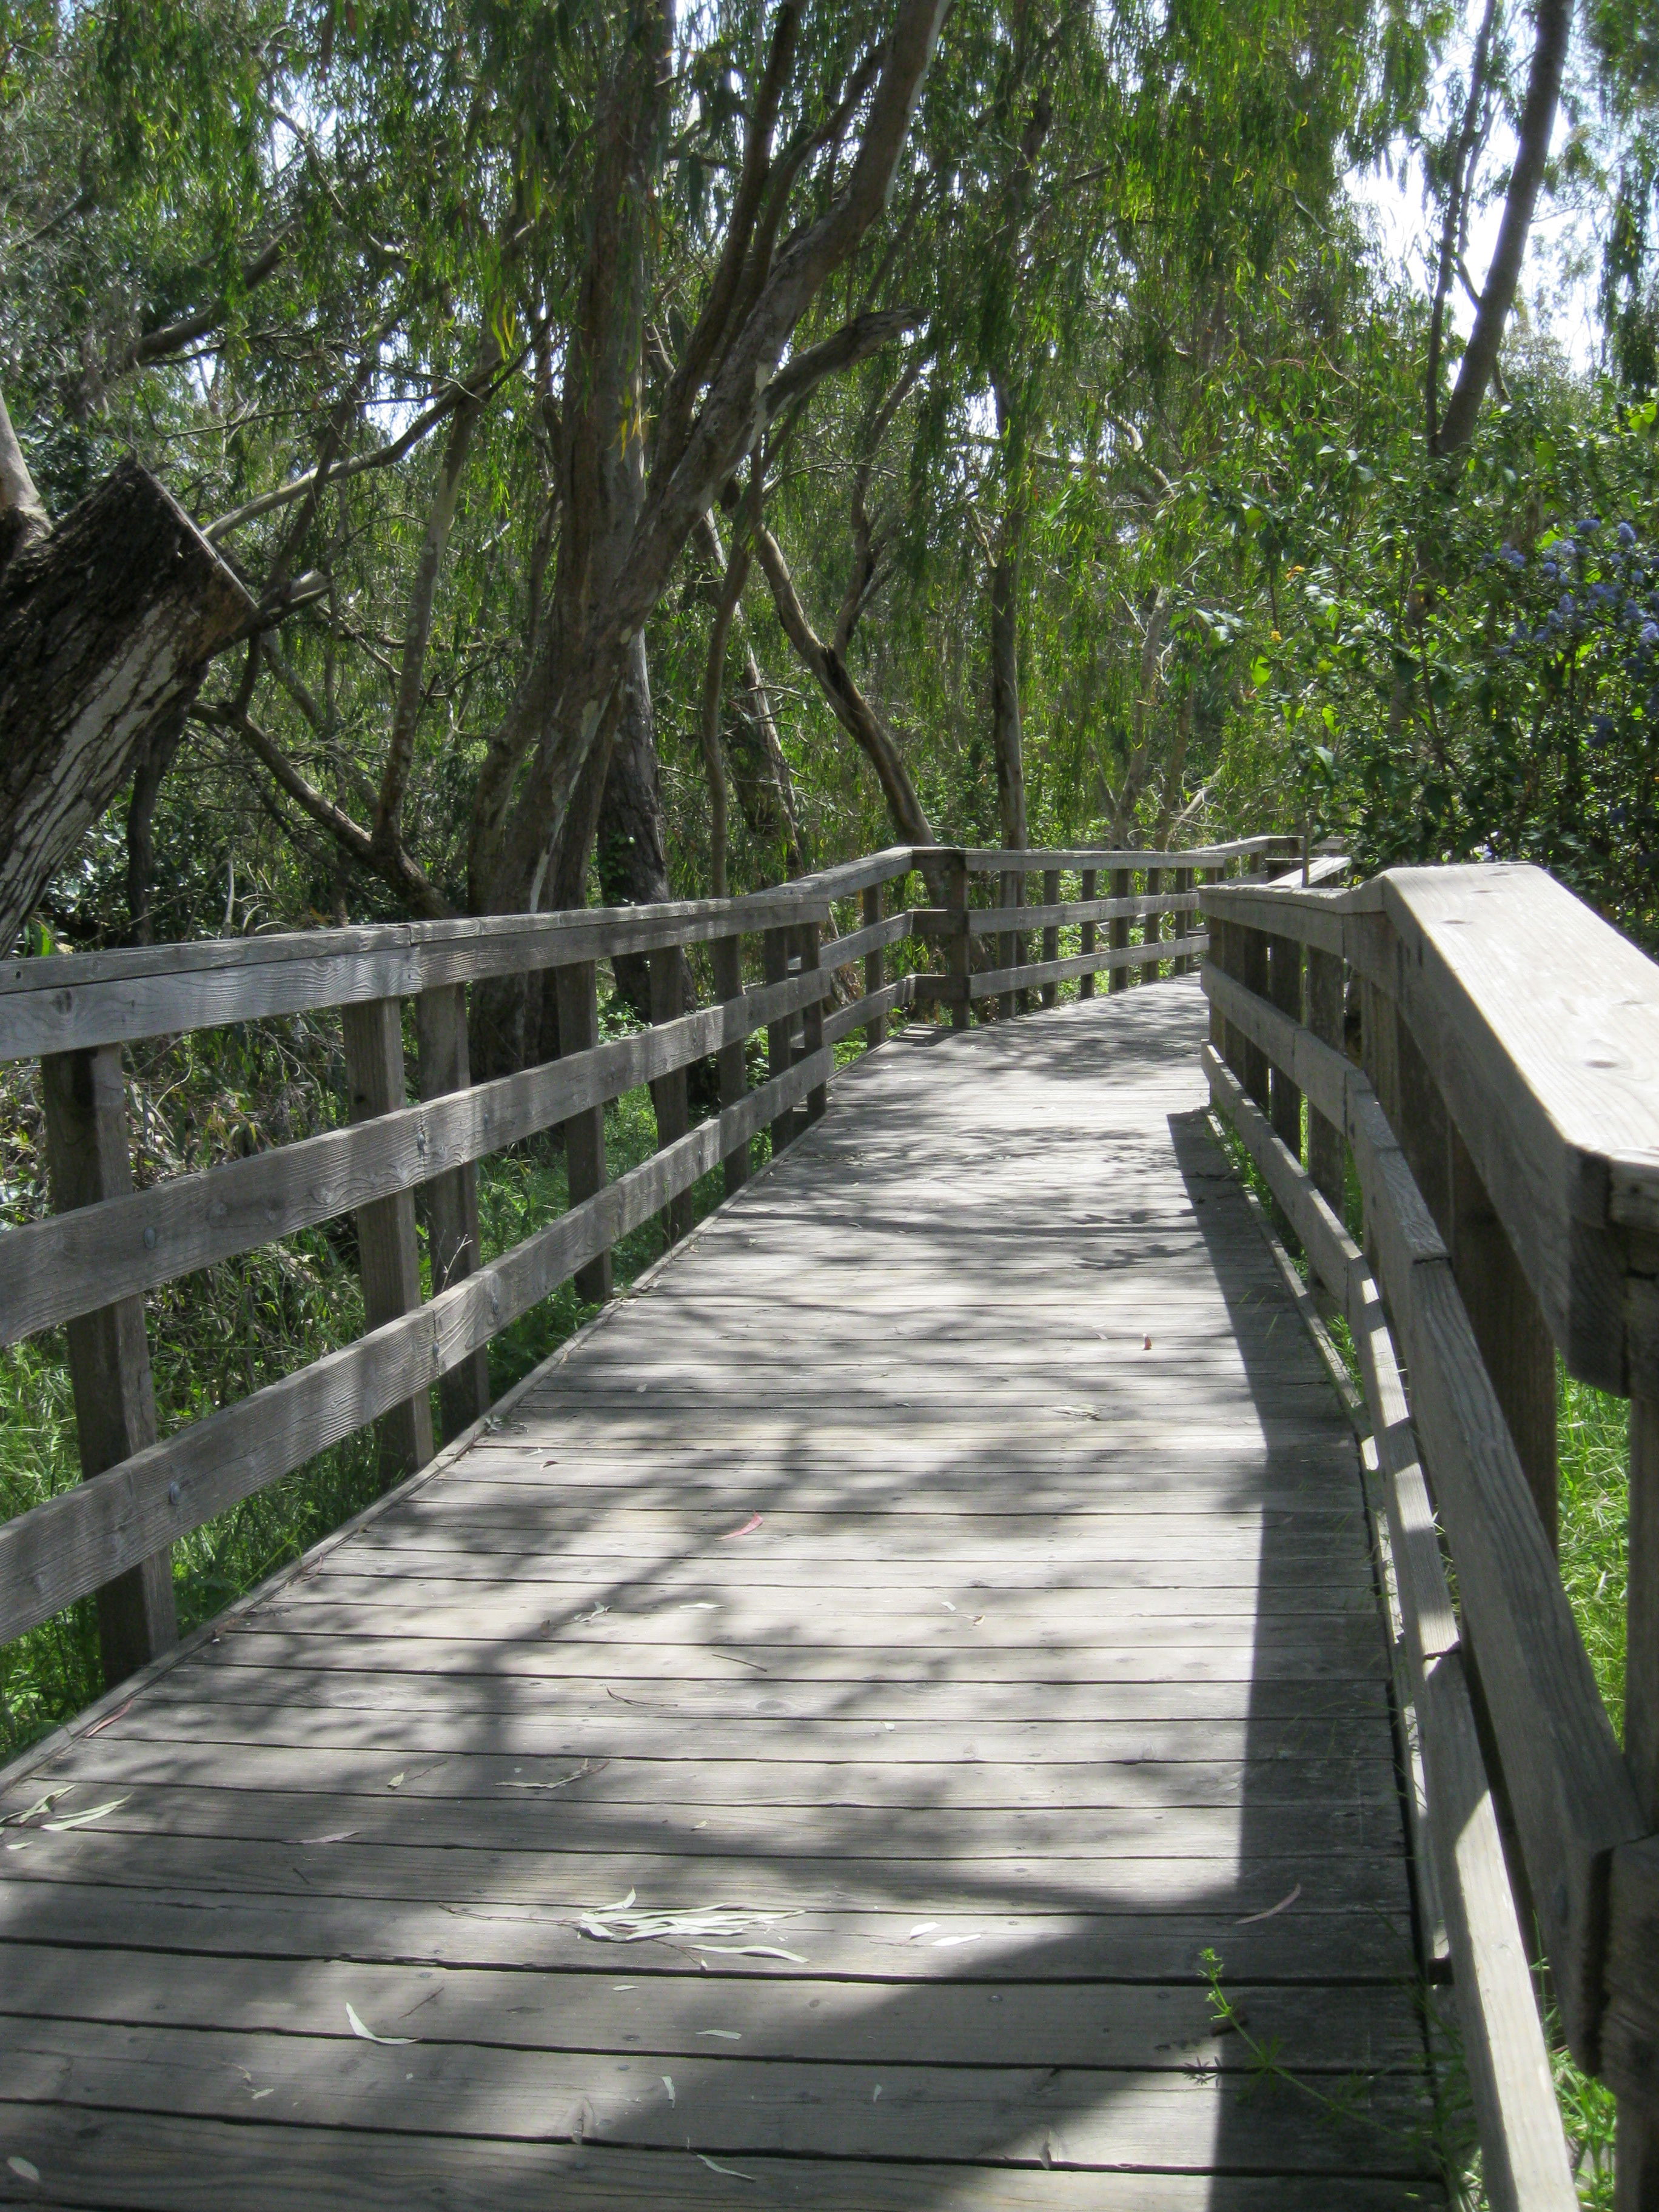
x=88, y=1161
x=1324, y=1008
x=451, y=1199
x=1152, y=924
x=806, y=952
x=934, y=921
x=1122, y=886
x=875, y=977
x=1525, y=2160
x=894, y=997
x=1186, y=903
x=984, y=983
x=777, y=950
x=51, y=1270
x=1284, y=990
x=65, y=1547
x=858, y=943
x=576, y=988
x=732, y=1061
x=1032, y=861
x=1050, y=931
x=958, y=954
x=1249, y=969
x=1011, y=951
x=1130, y=1739
x=668, y=1092
x=163, y=2164
x=1087, y=880
x=388, y=1257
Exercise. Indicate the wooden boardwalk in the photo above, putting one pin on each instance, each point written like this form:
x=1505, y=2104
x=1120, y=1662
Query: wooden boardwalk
x=930, y=1615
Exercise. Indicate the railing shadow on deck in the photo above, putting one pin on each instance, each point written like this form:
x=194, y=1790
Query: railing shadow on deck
x=1002, y=1474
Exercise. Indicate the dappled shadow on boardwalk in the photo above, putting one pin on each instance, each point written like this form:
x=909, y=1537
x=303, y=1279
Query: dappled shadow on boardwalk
x=955, y=1554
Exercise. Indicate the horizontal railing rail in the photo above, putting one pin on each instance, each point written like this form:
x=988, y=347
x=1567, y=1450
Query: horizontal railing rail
x=1502, y=1126
x=90, y=1265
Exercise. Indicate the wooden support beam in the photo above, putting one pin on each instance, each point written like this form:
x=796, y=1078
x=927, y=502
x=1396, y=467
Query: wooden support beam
x=451, y=1200
x=668, y=1092
x=959, y=958
x=88, y=1159
x=1284, y=989
x=1011, y=891
x=1151, y=928
x=811, y=1017
x=1325, y=1163
x=1088, y=878
x=1249, y=967
x=730, y=1060
x=577, y=990
x=1183, y=881
x=875, y=969
x=1122, y=884
x=1051, y=935
x=388, y=1257
x=775, y=961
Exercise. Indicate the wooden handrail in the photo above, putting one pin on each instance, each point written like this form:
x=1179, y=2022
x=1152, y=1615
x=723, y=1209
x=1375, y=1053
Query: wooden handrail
x=1505, y=1135
x=90, y=1265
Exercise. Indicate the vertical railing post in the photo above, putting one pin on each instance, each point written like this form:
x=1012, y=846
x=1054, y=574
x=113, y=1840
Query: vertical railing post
x=1152, y=927
x=779, y=1051
x=388, y=1257
x=1325, y=1164
x=959, y=948
x=1183, y=923
x=1010, y=886
x=1051, y=934
x=875, y=969
x=1086, y=884
x=576, y=987
x=668, y=1092
x=1121, y=879
x=451, y=1200
x=1284, y=989
x=812, y=1015
x=1249, y=949
x=1637, y=2154
x=88, y=1159
x=730, y=1062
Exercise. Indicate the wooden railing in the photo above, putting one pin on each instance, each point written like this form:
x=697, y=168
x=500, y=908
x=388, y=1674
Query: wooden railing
x=90, y=1264
x=1504, y=1129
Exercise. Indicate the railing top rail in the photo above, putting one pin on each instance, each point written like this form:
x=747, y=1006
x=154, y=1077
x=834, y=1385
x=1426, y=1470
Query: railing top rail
x=1037, y=860
x=1540, y=1023
x=73, y=1001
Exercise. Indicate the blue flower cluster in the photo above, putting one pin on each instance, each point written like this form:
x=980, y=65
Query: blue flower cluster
x=1610, y=588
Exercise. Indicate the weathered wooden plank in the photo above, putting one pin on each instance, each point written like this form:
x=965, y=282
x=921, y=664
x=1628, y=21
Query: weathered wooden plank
x=576, y=989
x=1088, y=878
x=668, y=1091
x=732, y=1061
x=988, y=983
x=48, y=1269
x=65, y=1547
x=958, y=954
x=806, y=952
x=161, y=2164
x=388, y=1257
x=1525, y=2163
x=451, y=1199
x=875, y=977
x=89, y=1164
x=894, y=997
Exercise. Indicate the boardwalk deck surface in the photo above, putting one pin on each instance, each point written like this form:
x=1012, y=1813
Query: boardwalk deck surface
x=942, y=1597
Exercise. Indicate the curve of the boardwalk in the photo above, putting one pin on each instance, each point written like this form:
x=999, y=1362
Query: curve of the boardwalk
x=802, y=1754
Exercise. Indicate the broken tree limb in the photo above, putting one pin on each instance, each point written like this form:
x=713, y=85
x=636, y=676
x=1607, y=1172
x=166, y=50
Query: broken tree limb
x=106, y=624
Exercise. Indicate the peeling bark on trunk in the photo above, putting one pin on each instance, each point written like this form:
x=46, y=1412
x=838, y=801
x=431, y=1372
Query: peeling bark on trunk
x=1007, y=738
x=632, y=847
x=106, y=626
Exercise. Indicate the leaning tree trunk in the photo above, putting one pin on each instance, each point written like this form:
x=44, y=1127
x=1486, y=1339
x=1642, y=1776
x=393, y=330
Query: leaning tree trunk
x=106, y=626
x=632, y=845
